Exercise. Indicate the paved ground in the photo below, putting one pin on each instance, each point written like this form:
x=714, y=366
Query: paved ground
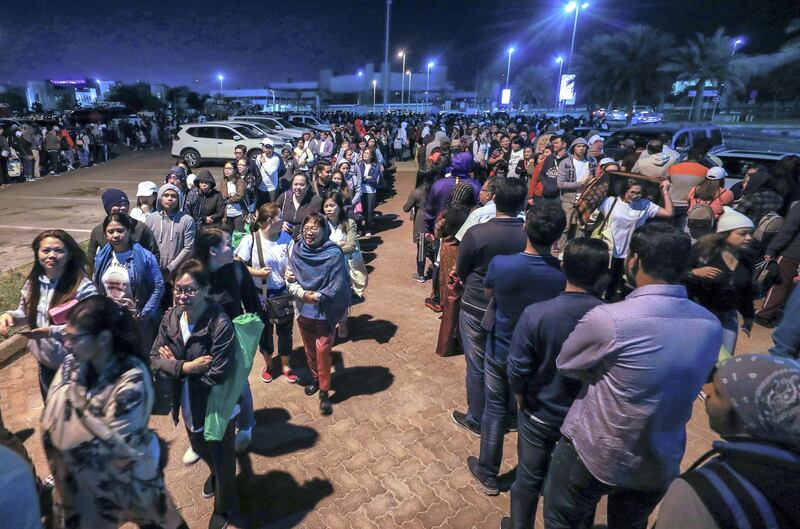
x=389, y=456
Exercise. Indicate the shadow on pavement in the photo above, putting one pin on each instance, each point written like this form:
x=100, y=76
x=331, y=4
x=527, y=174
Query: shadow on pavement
x=363, y=327
x=387, y=222
x=275, y=436
x=276, y=499
x=360, y=380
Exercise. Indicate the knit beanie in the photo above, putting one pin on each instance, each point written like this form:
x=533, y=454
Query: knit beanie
x=112, y=197
x=733, y=220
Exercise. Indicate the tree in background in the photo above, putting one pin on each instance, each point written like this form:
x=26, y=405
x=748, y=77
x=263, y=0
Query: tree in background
x=534, y=85
x=14, y=100
x=136, y=97
x=623, y=68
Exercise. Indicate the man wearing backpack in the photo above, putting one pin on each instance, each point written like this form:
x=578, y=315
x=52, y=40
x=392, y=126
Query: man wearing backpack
x=684, y=176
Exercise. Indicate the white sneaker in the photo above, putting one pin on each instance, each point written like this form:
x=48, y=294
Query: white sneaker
x=243, y=438
x=190, y=457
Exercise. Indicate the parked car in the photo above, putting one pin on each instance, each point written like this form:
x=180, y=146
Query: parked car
x=197, y=143
x=683, y=136
x=277, y=138
x=310, y=122
x=641, y=118
x=735, y=161
x=279, y=125
x=618, y=115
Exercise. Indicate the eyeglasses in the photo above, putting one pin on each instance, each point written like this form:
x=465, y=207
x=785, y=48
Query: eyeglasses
x=74, y=337
x=311, y=229
x=188, y=292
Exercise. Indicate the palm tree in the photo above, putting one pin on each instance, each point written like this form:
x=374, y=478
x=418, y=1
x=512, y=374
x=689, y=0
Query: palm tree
x=623, y=68
x=708, y=58
x=535, y=85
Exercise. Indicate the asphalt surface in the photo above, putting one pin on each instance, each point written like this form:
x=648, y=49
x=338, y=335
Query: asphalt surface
x=71, y=201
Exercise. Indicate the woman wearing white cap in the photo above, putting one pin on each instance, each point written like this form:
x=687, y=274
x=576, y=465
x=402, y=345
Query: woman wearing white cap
x=711, y=192
x=721, y=272
x=145, y=200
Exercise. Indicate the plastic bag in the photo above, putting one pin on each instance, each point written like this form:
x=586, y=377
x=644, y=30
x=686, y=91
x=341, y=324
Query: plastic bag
x=223, y=398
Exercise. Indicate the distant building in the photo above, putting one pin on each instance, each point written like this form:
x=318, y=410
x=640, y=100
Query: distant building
x=60, y=94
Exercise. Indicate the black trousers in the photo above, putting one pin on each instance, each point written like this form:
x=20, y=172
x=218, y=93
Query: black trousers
x=221, y=460
x=368, y=200
x=52, y=158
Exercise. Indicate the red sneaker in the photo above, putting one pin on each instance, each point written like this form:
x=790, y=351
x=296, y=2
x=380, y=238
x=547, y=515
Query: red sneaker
x=290, y=376
x=266, y=377
x=432, y=304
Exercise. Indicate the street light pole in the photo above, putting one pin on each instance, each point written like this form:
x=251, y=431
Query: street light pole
x=402, y=78
x=560, y=61
x=374, y=86
x=386, y=74
x=409, y=86
x=508, y=69
x=428, y=86
x=221, y=93
x=735, y=45
x=574, y=6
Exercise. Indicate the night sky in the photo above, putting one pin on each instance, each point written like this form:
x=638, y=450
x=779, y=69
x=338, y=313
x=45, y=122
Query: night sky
x=253, y=43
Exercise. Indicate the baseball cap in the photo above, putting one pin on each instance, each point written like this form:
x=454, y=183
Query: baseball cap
x=146, y=189
x=716, y=173
x=267, y=142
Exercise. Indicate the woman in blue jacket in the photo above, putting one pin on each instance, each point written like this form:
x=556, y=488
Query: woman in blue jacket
x=128, y=274
x=370, y=173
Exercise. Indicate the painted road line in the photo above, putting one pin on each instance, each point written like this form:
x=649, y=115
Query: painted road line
x=39, y=228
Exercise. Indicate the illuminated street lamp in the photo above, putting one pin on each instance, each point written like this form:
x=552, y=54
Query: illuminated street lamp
x=560, y=61
x=402, y=77
x=428, y=84
x=220, y=77
x=736, y=44
x=508, y=69
x=569, y=8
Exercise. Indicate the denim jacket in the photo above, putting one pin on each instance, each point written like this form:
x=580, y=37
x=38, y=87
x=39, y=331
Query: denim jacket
x=147, y=283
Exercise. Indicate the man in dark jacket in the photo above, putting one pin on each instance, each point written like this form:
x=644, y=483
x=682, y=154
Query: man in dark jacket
x=116, y=201
x=212, y=204
x=549, y=172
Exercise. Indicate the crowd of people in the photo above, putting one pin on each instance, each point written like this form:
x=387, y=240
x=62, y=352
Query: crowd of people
x=593, y=297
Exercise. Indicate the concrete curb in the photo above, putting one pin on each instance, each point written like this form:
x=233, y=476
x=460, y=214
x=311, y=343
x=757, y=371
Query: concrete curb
x=12, y=347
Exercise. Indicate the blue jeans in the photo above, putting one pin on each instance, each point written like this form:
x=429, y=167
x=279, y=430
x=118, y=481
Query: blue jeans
x=495, y=415
x=787, y=336
x=730, y=329
x=247, y=416
x=473, y=340
x=535, y=443
x=571, y=495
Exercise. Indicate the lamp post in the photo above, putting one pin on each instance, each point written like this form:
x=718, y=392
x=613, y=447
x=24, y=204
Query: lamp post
x=736, y=44
x=569, y=8
x=428, y=85
x=220, y=77
x=409, y=85
x=508, y=69
x=560, y=61
x=374, y=86
x=402, y=77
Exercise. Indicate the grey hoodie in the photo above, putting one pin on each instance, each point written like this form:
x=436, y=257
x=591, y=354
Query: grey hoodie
x=567, y=183
x=174, y=234
x=655, y=165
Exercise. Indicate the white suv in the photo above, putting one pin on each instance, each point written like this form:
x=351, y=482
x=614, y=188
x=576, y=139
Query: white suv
x=278, y=125
x=302, y=120
x=200, y=142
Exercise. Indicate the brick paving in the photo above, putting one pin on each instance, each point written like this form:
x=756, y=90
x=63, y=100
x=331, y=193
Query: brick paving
x=389, y=456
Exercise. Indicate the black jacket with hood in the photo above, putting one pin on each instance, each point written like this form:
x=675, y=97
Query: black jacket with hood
x=212, y=204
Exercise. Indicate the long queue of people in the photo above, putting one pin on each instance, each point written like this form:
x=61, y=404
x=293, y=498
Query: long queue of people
x=594, y=299
x=157, y=296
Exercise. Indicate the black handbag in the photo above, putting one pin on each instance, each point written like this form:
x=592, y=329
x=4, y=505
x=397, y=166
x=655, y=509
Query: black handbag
x=278, y=309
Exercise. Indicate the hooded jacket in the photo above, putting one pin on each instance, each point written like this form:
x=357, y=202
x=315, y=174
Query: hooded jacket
x=174, y=233
x=212, y=204
x=438, y=138
x=655, y=165
x=442, y=189
x=567, y=183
